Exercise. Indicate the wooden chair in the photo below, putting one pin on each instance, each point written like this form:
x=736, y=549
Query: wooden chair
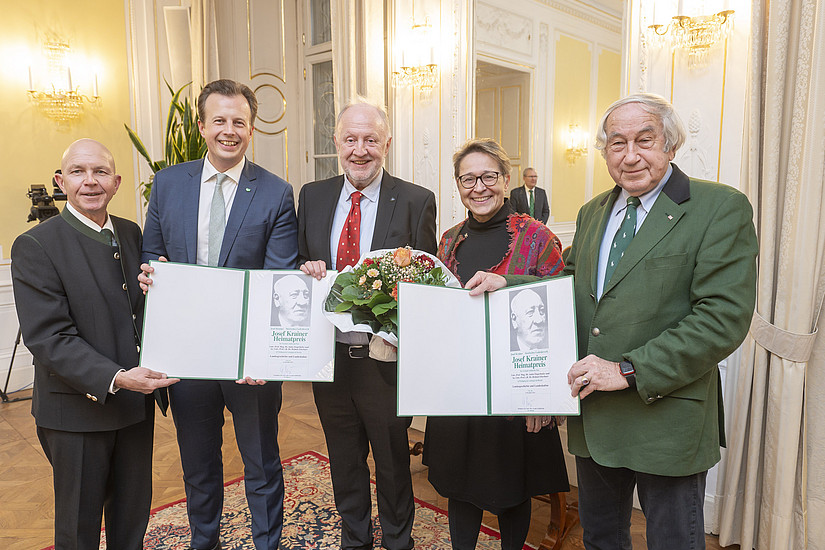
x=563, y=517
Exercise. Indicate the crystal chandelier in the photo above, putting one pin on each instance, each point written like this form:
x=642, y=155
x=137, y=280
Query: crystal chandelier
x=59, y=101
x=695, y=35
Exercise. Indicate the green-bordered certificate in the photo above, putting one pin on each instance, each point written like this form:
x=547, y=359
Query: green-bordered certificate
x=501, y=353
x=221, y=323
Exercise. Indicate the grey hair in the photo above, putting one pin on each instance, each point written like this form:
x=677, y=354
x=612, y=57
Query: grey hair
x=360, y=100
x=657, y=106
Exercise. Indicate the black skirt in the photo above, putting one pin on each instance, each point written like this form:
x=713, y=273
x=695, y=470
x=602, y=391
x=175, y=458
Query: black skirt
x=493, y=462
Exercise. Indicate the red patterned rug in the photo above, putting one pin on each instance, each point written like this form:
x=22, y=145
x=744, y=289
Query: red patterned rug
x=310, y=523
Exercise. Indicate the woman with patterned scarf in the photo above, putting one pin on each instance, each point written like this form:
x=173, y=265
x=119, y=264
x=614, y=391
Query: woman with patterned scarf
x=493, y=463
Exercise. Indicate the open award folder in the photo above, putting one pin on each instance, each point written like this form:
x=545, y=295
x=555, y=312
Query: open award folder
x=501, y=353
x=221, y=323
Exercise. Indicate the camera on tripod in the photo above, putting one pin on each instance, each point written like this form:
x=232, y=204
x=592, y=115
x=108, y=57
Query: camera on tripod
x=43, y=206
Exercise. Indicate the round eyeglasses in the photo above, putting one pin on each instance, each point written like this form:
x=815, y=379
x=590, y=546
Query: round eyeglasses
x=468, y=181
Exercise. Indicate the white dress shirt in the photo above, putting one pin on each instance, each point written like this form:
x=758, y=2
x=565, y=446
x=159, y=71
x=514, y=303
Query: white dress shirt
x=615, y=221
x=89, y=223
x=209, y=179
x=369, y=210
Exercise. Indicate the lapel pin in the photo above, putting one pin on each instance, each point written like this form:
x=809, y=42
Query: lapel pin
x=248, y=189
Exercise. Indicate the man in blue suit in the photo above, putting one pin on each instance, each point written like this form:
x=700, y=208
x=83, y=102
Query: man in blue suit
x=229, y=212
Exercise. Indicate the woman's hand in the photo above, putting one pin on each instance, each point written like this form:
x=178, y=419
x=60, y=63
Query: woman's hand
x=484, y=281
x=536, y=423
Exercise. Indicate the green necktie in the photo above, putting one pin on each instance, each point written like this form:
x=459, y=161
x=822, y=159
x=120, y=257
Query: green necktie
x=532, y=205
x=623, y=237
x=109, y=235
x=217, y=221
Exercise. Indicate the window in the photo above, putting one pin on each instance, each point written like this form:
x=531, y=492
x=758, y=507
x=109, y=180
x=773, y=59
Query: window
x=322, y=161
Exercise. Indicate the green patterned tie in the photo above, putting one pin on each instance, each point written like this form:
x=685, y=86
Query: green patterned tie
x=532, y=205
x=623, y=237
x=217, y=221
x=109, y=235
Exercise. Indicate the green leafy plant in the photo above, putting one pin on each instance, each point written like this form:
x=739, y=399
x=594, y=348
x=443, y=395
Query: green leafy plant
x=183, y=141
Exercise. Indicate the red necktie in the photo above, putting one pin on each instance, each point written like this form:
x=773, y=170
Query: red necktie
x=348, y=248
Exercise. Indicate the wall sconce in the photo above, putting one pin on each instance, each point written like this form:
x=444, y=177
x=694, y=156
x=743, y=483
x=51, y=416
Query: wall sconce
x=696, y=35
x=59, y=100
x=418, y=67
x=576, y=141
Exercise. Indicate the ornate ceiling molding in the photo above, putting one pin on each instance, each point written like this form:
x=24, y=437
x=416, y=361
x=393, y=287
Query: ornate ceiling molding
x=587, y=13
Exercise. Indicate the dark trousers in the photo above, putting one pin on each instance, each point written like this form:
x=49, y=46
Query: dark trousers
x=673, y=507
x=100, y=474
x=358, y=411
x=198, y=410
x=465, y=524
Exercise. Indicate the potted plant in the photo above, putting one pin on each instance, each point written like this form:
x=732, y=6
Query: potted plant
x=183, y=138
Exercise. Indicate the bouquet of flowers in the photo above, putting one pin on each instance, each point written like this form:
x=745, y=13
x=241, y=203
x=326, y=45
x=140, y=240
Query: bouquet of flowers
x=364, y=297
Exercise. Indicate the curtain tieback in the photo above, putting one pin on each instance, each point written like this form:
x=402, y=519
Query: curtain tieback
x=792, y=346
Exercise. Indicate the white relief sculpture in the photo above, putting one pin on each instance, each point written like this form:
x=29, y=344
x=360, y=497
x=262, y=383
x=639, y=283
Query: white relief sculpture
x=696, y=155
x=456, y=119
x=503, y=29
x=426, y=168
x=544, y=39
x=644, y=52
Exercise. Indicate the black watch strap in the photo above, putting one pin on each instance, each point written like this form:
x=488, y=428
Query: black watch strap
x=629, y=372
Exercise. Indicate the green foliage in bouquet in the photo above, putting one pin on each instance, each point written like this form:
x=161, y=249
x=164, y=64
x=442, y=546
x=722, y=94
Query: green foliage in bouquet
x=369, y=293
x=183, y=140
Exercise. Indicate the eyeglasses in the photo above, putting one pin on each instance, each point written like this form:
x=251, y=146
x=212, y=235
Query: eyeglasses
x=468, y=181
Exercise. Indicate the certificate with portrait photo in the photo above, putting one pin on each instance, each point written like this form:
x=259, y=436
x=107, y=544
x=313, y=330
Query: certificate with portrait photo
x=220, y=323
x=502, y=353
x=287, y=336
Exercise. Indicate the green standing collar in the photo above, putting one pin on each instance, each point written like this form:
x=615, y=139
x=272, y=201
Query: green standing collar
x=85, y=229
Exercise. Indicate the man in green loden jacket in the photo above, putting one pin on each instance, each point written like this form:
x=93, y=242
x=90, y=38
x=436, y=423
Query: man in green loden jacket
x=665, y=284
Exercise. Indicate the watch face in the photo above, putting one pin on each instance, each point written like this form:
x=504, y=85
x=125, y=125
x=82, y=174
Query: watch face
x=627, y=368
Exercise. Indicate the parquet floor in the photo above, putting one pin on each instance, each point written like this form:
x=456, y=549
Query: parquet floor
x=26, y=498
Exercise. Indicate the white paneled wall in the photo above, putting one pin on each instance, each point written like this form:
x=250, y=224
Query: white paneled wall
x=22, y=372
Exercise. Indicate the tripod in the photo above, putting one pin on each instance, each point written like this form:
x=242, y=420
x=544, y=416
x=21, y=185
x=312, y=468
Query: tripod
x=42, y=208
x=3, y=394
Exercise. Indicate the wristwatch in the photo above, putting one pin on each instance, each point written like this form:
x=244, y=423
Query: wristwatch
x=629, y=372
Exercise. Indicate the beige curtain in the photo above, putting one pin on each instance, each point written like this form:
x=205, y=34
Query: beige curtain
x=774, y=486
x=203, y=36
x=345, y=53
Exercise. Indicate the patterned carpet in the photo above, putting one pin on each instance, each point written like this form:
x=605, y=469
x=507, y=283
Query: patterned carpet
x=311, y=522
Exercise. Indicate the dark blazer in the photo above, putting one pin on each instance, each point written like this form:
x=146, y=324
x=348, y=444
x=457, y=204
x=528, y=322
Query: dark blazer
x=680, y=301
x=76, y=319
x=406, y=216
x=260, y=231
x=358, y=409
x=521, y=204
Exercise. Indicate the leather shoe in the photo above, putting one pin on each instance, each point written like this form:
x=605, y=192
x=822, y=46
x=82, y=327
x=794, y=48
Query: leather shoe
x=216, y=547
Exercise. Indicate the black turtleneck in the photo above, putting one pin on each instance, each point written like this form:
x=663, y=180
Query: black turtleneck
x=486, y=243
